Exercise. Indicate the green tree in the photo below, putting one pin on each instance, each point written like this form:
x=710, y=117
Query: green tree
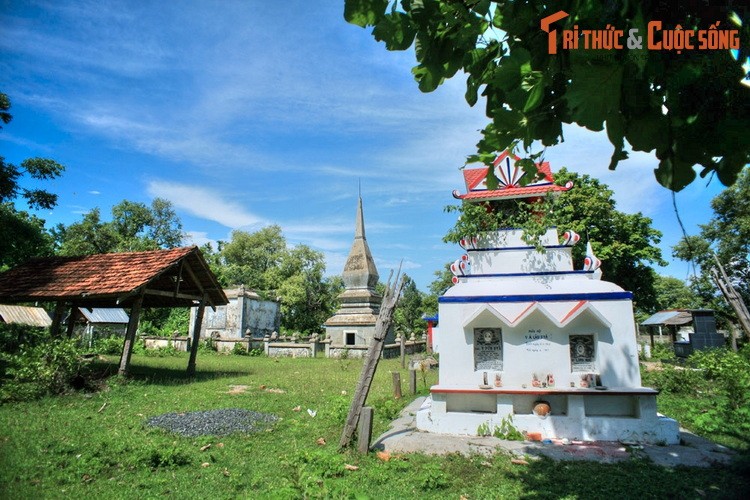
x=689, y=108
x=22, y=235
x=726, y=236
x=248, y=257
x=442, y=282
x=409, y=310
x=673, y=293
x=308, y=299
x=134, y=227
x=625, y=243
x=263, y=262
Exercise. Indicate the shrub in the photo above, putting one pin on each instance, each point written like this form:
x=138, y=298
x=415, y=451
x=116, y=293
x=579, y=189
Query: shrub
x=675, y=380
x=33, y=364
x=663, y=351
x=729, y=371
x=207, y=346
x=161, y=352
x=239, y=350
x=109, y=345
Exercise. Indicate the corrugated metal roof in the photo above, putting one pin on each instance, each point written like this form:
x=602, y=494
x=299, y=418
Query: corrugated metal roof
x=24, y=315
x=675, y=317
x=104, y=315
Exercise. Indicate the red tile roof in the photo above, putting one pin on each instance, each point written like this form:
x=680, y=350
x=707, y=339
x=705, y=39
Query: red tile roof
x=476, y=188
x=103, y=278
x=508, y=193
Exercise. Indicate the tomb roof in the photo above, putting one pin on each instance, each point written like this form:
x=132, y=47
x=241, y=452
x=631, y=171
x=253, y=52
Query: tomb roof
x=509, y=176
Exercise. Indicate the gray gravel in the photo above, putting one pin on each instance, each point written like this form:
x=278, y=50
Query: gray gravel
x=213, y=422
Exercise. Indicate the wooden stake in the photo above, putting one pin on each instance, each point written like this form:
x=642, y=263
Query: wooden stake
x=403, y=350
x=412, y=382
x=196, y=336
x=383, y=324
x=365, y=430
x=396, y=384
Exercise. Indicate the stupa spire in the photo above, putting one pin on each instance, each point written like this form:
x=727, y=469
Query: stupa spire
x=359, y=227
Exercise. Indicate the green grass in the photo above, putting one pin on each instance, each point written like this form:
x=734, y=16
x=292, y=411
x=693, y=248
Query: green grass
x=96, y=445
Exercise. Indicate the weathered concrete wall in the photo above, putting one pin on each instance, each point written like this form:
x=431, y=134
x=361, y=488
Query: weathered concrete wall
x=261, y=317
x=179, y=343
x=290, y=350
x=244, y=312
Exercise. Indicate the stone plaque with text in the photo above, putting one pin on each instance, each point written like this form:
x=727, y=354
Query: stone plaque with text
x=488, y=349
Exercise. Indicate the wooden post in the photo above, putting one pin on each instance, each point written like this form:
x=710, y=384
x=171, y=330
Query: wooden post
x=127, y=347
x=57, y=318
x=383, y=324
x=196, y=336
x=396, y=384
x=731, y=295
x=403, y=350
x=412, y=381
x=71, y=321
x=365, y=430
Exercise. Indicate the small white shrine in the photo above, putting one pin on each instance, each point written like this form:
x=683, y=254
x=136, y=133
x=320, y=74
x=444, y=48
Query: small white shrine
x=525, y=339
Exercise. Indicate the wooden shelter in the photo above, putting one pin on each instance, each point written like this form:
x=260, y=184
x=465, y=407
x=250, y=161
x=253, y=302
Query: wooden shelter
x=178, y=277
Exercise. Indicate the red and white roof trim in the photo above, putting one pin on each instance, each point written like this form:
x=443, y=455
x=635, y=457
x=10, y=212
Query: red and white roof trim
x=509, y=176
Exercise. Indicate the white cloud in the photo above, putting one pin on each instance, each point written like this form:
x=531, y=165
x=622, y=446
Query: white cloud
x=205, y=203
x=198, y=238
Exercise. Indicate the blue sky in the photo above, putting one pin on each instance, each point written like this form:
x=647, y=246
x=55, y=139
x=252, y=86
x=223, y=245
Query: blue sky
x=250, y=113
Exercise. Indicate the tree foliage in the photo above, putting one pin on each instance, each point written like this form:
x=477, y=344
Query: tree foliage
x=727, y=235
x=134, y=227
x=22, y=234
x=248, y=257
x=263, y=262
x=674, y=293
x=688, y=108
x=409, y=310
x=625, y=243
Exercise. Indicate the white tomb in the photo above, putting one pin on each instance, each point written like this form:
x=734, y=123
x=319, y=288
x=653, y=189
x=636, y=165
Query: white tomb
x=526, y=338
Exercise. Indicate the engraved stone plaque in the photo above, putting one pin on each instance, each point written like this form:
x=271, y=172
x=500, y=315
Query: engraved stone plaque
x=582, y=353
x=488, y=349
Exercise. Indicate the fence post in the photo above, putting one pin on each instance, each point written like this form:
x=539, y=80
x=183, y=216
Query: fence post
x=365, y=429
x=412, y=381
x=396, y=384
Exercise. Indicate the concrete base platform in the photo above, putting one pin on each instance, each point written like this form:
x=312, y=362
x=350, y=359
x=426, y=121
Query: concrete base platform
x=404, y=437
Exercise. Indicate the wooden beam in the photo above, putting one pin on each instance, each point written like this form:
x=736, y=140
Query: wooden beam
x=196, y=336
x=57, y=318
x=71, y=320
x=127, y=347
x=179, y=277
x=382, y=326
x=175, y=295
x=365, y=430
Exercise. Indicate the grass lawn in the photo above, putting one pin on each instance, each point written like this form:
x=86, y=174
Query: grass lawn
x=96, y=445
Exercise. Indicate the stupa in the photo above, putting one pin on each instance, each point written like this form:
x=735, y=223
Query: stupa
x=353, y=325
x=526, y=340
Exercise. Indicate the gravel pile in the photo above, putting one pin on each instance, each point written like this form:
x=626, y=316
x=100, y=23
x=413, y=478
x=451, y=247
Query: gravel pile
x=213, y=422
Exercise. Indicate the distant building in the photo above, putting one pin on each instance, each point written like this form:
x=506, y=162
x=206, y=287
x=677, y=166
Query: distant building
x=93, y=323
x=246, y=315
x=354, y=323
x=24, y=315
